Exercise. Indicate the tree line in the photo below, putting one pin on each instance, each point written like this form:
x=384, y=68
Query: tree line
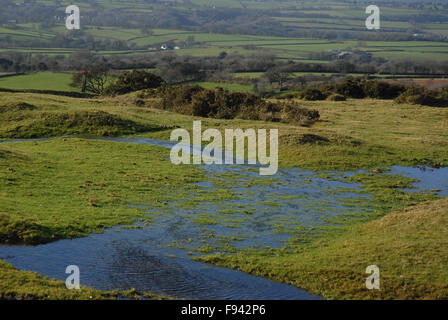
x=181, y=68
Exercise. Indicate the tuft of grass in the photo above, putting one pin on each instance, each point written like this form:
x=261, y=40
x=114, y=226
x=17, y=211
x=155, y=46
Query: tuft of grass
x=16, y=107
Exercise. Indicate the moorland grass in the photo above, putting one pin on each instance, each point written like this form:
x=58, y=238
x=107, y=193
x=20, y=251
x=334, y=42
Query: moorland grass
x=359, y=134
x=65, y=188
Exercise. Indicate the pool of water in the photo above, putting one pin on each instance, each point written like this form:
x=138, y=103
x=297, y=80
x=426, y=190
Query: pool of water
x=138, y=259
x=431, y=180
x=263, y=211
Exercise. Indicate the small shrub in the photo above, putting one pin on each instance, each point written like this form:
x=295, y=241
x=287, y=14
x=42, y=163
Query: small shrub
x=382, y=90
x=312, y=95
x=351, y=88
x=140, y=103
x=293, y=113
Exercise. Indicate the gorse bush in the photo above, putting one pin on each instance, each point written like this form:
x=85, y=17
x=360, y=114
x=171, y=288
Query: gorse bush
x=418, y=95
x=222, y=104
x=134, y=81
x=350, y=88
x=312, y=94
x=354, y=88
x=382, y=90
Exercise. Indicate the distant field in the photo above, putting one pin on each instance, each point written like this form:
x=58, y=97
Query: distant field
x=427, y=83
x=39, y=81
x=255, y=75
x=322, y=16
x=284, y=48
x=228, y=86
x=60, y=82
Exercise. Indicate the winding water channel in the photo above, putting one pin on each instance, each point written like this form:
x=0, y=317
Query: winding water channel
x=158, y=257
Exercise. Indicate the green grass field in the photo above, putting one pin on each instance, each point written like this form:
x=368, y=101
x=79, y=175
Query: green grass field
x=290, y=49
x=61, y=81
x=39, y=81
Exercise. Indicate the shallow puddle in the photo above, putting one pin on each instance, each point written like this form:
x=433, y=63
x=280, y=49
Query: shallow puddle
x=431, y=180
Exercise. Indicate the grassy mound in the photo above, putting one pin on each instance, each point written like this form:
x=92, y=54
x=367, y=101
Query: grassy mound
x=86, y=123
x=409, y=246
x=16, y=107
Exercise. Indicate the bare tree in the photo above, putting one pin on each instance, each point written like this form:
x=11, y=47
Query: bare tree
x=97, y=79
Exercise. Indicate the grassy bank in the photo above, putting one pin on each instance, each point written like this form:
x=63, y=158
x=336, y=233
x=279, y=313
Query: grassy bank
x=25, y=285
x=409, y=247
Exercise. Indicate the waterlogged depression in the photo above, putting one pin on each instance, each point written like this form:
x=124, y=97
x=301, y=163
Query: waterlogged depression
x=258, y=212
